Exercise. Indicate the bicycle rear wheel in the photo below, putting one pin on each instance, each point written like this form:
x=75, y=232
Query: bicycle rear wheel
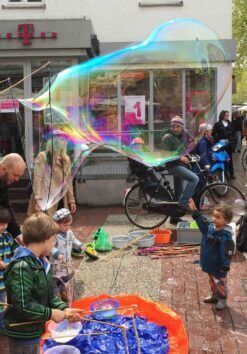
x=211, y=196
x=139, y=211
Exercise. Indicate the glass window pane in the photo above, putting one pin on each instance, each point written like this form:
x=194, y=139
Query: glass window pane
x=200, y=94
x=167, y=100
x=42, y=119
x=11, y=113
x=134, y=104
x=103, y=106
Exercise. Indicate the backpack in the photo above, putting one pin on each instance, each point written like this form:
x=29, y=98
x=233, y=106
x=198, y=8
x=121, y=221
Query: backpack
x=242, y=235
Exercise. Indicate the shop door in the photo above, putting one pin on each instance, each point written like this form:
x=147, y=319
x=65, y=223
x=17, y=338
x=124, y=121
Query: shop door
x=11, y=112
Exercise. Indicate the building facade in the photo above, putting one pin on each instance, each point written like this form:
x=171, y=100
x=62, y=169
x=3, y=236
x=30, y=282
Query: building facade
x=35, y=32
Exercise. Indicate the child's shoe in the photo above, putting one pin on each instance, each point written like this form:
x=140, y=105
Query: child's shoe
x=211, y=299
x=221, y=304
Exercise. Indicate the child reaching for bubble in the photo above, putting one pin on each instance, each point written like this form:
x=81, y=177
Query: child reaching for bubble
x=61, y=252
x=217, y=248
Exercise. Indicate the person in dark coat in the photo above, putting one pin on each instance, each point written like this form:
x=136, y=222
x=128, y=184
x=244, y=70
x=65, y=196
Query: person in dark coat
x=238, y=124
x=223, y=129
x=12, y=167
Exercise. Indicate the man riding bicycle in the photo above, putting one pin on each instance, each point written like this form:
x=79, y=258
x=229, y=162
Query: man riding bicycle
x=178, y=139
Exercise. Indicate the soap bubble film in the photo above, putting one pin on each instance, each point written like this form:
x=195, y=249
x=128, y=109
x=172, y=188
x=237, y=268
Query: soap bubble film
x=111, y=101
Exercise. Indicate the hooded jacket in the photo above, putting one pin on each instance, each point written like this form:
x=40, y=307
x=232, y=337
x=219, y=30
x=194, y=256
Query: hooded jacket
x=217, y=247
x=28, y=283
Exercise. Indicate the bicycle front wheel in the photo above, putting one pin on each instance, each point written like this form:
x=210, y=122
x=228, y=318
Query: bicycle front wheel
x=244, y=160
x=139, y=212
x=212, y=195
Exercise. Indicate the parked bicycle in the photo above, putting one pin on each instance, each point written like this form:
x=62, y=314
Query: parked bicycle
x=244, y=159
x=148, y=206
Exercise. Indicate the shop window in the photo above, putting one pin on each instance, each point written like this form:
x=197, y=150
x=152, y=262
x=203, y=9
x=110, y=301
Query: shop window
x=200, y=97
x=135, y=100
x=167, y=91
x=11, y=112
x=103, y=102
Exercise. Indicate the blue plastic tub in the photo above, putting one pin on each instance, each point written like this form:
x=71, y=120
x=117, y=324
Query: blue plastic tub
x=63, y=349
x=108, y=306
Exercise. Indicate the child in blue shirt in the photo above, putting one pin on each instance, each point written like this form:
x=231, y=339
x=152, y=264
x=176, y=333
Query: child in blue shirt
x=6, y=243
x=217, y=248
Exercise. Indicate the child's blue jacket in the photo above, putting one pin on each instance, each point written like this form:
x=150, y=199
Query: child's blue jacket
x=217, y=247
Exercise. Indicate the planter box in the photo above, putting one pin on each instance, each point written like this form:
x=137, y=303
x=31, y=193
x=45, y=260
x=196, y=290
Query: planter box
x=186, y=235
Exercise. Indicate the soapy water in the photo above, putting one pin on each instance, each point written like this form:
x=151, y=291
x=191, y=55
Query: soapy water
x=110, y=100
x=153, y=338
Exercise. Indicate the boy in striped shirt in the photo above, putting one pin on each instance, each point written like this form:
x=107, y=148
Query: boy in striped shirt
x=6, y=242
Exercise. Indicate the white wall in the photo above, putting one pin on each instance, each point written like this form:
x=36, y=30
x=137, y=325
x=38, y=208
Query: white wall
x=124, y=20
x=224, y=88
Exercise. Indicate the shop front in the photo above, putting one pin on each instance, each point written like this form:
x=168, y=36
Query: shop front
x=25, y=47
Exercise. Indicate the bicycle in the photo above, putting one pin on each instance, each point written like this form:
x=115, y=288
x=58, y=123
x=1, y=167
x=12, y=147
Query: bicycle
x=244, y=159
x=149, y=207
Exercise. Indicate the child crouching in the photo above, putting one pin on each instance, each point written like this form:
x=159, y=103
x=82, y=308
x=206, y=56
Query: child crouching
x=217, y=248
x=28, y=283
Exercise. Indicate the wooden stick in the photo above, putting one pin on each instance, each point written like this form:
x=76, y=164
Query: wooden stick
x=124, y=333
x=83, y=318
x=23, y=323
x=102, y=322
x=124, y=248
x=4, y=304
x=17, y=83
x=119, y=308
x=136, y=334
x=123, y=329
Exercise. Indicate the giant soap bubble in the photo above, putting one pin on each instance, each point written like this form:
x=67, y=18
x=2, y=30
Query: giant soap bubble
x=133, y=93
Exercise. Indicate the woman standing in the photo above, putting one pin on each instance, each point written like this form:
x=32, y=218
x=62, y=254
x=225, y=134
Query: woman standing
x=52, y=180
x=223, y=129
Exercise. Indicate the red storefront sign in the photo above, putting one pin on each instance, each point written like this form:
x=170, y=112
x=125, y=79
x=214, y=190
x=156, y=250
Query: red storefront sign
x=25, y=32
x=9, y=106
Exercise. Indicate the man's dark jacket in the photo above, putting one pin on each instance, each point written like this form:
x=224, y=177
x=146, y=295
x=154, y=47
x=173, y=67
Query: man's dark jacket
x=13, y=227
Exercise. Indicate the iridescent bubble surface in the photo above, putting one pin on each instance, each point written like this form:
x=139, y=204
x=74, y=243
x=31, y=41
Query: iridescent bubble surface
x=134, y=92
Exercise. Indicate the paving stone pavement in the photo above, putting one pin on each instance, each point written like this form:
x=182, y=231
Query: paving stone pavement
x=183, y=287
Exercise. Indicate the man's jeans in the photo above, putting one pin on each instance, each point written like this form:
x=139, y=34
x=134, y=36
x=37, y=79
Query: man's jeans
x=181, y=174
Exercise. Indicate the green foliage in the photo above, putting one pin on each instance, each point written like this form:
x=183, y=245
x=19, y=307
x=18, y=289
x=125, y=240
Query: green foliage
x=240, y=35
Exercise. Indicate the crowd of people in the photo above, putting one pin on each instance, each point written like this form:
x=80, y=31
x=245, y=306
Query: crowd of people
x=35, y=262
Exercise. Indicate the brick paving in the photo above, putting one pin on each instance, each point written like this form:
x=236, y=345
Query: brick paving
x=183, y=287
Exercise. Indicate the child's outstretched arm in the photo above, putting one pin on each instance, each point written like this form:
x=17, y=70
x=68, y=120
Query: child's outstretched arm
x=201, y=221
x=77, y=245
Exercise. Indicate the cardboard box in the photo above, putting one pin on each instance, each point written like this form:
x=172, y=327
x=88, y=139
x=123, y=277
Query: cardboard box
x=188, y=236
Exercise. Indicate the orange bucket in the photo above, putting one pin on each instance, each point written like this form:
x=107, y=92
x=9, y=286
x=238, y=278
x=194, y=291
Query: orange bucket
x=161, y=235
